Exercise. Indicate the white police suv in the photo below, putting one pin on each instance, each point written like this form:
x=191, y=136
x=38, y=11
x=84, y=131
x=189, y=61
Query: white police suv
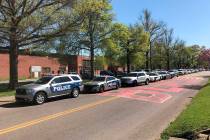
x=49, y=87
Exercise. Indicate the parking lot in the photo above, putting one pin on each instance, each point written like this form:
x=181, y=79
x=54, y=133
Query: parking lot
x=139, y=113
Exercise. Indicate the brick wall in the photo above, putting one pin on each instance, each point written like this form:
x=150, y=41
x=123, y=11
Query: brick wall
x=72, y=63
x=24, y=64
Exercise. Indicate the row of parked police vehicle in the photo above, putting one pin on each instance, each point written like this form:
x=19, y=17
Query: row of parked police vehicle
x=72, y=85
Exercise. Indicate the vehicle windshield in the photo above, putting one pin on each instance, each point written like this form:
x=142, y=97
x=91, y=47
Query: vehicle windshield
x=132, y=75
x=43, y=80
x=152, y=74
x=162, y=72
x=99, y=79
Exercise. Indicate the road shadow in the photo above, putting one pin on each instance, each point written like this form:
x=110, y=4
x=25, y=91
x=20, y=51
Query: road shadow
x=14, y=105
x=193, y=87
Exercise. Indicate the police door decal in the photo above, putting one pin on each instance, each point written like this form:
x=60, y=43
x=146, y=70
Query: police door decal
x=61, y=88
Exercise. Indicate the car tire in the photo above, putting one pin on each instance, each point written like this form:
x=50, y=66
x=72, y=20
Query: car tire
x=40, y=98
x=75, y=93
x=147, y=82
x=135, y=83
x=117, y=86
x=101, y=89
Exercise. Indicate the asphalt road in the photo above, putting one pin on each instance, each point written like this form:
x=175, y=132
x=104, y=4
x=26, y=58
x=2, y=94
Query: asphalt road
x=133, y=113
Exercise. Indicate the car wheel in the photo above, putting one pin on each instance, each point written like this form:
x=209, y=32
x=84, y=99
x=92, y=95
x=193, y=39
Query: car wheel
x=117, y=86
x=135, y=83
x=39, y=98
x=101, y=89
x=75, y=93
x=147, y=82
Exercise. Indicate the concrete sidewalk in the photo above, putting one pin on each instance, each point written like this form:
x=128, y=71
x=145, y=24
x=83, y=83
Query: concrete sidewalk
x=7, y=99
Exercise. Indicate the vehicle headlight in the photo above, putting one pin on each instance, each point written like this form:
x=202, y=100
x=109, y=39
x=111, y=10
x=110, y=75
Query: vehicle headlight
x=29, y=90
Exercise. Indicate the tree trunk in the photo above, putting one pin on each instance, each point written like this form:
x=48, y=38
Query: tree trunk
x=147, y=60
x=92, y=55
x=150, y=56
x=168, y=60
x=92, y=62
x=128, y=60
x=13, y=59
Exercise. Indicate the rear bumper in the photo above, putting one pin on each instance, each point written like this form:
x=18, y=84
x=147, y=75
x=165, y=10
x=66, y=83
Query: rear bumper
x=81, y=88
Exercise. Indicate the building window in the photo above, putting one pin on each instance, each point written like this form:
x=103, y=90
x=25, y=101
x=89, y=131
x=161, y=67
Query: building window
x=86, y=63
x=62, y=69
x=46, y=70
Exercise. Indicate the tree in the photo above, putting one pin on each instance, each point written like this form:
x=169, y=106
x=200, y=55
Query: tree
x=27, y=22
x=204, y=58
x=112, y=52
x=168, y=42
x=131, y=41
x=179, y=53
x=159, y=56
x=155, y=31
x=96, y=26
x=195, y=52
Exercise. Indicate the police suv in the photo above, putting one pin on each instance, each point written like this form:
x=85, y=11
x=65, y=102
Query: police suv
x=134, y=78
x=49, y=87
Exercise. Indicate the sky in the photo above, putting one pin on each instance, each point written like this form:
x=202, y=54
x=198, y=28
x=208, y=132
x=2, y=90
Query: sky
x=190, y=19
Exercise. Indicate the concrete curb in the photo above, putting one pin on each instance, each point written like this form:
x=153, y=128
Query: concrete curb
x=173, y=138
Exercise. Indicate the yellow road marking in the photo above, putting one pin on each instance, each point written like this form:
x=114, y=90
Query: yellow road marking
x=50, y=117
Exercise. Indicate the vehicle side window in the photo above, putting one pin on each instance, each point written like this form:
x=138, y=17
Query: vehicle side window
x=56, y=81
x=76, y=78
x=141, y=74
x=110, y=78
x=65, y=79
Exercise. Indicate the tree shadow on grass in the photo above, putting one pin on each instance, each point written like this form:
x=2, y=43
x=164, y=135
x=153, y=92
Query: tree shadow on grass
x=4, y=87
x=193, y=87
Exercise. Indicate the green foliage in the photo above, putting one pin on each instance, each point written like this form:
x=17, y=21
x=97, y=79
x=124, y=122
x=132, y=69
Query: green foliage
x=36, y=21
x=100, y=62
x=124, y=39
x=195, y=118
x=159, y=57
x=96, y=25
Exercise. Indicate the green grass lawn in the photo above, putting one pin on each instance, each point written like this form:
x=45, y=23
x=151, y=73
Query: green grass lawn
x=7, y=93
x=4, y=91
x=195, y=118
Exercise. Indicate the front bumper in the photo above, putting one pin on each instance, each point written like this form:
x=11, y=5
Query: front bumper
x=26, y=98
x=22, y=95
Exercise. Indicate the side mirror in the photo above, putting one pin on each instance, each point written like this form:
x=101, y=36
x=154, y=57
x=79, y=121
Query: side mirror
x=51, y=84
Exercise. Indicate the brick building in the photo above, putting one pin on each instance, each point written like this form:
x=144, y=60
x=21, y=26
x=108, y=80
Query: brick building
x=33, y=66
